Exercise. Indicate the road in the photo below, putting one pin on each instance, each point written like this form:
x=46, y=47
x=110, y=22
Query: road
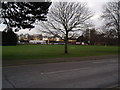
x=82, y=74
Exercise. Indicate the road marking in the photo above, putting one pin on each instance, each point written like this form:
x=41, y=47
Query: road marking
x=41, y=73
x=65, y=71
x=91, y=61
x=98, y=62
x=105, y=62
x=113, y=86
x=114, y=61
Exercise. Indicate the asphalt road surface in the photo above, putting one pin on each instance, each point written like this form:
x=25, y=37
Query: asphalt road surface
x=82, y=74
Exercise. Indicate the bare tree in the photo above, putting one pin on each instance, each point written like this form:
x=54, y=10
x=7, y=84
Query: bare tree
x=111, y=15
x=65, y=19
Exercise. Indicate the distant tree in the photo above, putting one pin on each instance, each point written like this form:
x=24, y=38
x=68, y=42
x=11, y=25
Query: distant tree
x=22, y=15
x=111, y=37
x=111, y=33
x=86, y=35
x=93, y=36
x=96, y=37
x=65, y=19
x=111, y=16
x=80, y=38
x=90, y=36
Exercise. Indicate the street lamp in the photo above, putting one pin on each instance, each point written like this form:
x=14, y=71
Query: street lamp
x=88, y=25
x=89, y=35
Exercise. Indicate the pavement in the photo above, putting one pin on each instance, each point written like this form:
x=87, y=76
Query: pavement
x=101, y=73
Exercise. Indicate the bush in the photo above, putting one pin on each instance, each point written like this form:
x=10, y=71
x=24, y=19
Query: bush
x=9, y=38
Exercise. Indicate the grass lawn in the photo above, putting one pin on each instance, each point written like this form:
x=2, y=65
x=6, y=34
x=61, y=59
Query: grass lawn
x=23, y=52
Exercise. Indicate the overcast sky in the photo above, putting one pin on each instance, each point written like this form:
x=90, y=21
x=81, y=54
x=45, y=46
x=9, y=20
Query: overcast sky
x=94, y=5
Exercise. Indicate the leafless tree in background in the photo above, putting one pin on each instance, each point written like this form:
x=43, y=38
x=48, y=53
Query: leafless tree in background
x=65, y=19
x=111, y=16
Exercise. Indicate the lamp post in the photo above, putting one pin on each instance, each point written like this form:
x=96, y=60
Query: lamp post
x=89, y=36
x=88, y=25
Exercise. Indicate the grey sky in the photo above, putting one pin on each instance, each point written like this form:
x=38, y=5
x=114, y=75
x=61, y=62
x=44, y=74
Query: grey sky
x=94, y=5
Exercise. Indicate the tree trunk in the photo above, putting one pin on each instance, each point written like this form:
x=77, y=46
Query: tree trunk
x=66, y=43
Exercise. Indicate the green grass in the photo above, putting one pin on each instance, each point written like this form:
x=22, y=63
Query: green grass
x=22, y=52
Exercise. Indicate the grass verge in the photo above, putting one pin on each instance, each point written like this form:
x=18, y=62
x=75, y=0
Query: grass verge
x=30, y=52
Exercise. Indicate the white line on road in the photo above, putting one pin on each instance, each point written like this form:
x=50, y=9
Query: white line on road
x=98, y=61
x=65, y=71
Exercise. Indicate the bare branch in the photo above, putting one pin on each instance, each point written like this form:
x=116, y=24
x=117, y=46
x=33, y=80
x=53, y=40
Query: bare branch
x=111, y=15
x=65, y=17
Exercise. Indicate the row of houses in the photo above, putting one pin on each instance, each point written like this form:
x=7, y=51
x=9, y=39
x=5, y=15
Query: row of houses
x=39, y=39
